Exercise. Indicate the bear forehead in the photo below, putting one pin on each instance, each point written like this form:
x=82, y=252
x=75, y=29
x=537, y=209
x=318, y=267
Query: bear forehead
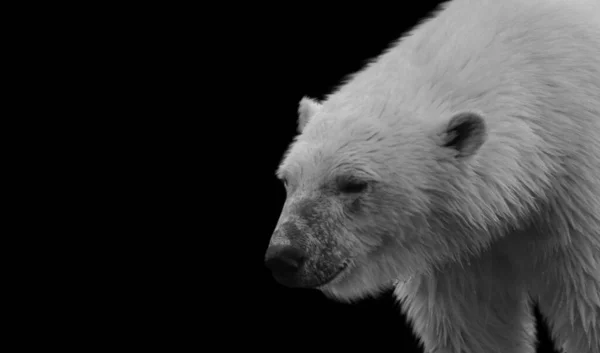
x=340, y=129
x=363, y=150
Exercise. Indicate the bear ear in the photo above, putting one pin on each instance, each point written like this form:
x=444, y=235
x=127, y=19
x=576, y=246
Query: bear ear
x=307, y=108
x=465, y=132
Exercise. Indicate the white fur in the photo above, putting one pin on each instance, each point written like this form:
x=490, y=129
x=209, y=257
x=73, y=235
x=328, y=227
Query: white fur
x=520, y=218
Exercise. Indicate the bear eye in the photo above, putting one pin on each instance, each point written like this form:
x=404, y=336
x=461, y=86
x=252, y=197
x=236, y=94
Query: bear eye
x=351, y=185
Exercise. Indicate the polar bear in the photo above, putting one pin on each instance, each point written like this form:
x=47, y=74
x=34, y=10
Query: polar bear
x=462, y=167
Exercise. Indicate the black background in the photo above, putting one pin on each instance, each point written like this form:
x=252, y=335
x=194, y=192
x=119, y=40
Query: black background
x=192, y=108
x=212, y=106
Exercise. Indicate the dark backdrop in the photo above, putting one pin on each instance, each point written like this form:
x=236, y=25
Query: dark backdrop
x=194, y=107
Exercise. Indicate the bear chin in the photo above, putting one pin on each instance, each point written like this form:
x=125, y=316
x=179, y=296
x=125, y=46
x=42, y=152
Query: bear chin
x=351, y=285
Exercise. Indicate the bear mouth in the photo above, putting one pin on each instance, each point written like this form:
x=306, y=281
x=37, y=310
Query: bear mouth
x=336, y=277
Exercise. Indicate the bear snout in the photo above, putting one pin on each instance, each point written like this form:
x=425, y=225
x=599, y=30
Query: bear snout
x=285, y=262
x=302, y=259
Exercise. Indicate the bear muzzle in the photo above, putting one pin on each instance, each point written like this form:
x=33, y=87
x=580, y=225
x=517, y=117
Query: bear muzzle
x=296, y=264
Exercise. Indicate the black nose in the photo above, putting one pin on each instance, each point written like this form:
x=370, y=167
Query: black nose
x=285, y=261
